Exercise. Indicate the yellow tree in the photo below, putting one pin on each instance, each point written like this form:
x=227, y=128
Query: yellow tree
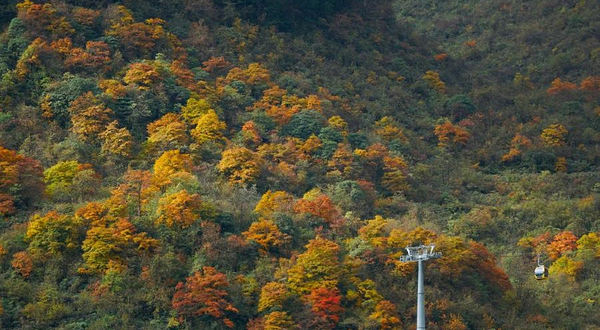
x=89, y=117
x=454, y=323
x=318, y=266
x=51, y=234
x=386, y=314
x=266, y=234
x=252, y=75
x=170, y=165
x=278, y=321
x=194, y=109
x=588, y=246
x=394, y=174
x=209, y=128
x=109, y=242
x=566, y=266
x=116, y=142
x=434, y=81
x=137, y=38
x=241, y=165
x=180, y=209
x=341, y=161
x=113, y=88
x=309, y=147
x=338, y=123
x=272, y=296
x=167, y=133
x=271, y=202
x=62, y=178
x=388, y=130
x=142, y=75
x=554, y=135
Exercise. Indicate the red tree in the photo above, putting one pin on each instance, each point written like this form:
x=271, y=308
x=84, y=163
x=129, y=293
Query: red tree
x=326, y=304
x=203, y=294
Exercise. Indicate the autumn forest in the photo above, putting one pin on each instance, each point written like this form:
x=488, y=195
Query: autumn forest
x=262, y=164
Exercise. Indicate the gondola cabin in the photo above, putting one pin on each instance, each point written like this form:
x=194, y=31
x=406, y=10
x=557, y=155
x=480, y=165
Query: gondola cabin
x=540, y=272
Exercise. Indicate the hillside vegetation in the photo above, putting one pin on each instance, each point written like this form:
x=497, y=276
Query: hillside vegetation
x=261, y=165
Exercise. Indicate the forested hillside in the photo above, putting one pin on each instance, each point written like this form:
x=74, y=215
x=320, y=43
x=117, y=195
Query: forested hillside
x=261, y=165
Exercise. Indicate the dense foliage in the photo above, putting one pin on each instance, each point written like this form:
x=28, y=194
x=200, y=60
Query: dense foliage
x=212, y=164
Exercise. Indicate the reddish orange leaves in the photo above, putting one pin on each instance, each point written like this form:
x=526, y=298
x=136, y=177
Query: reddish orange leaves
x=203, y=294
x=449, y=134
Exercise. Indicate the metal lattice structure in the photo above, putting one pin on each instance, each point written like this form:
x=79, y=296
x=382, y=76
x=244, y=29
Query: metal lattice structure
x=419, y=254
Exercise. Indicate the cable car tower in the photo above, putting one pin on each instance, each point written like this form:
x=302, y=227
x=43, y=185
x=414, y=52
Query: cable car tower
x=419, y=254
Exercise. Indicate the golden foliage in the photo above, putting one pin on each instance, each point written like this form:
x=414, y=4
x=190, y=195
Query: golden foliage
x=142, y=74
x=454, y=323
x=554, y=135
x=395, y=172
x=588, y=246
x=266, y=234
x=180, y=209
x=338, y=123
x=240, y=165
x=272, y=296
x=341, y=160
x=108, y=242
x=113, y=88
x=278, y=321
x=561, y=165
x=49, y=235
x=388, y=130
x=168, y=132
x=116, y=141
x=448, y=134
x=591, y=84
x=386, y=314
x=170, y=165
x=271, y=202
x=95, y=57
x=567, y=267
x=209, y=128
x=253, y=74
x=559, y=86
x=318, y=266
x=136, y=37
x=89, y=117
x=194, y=109
x=434, y=81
